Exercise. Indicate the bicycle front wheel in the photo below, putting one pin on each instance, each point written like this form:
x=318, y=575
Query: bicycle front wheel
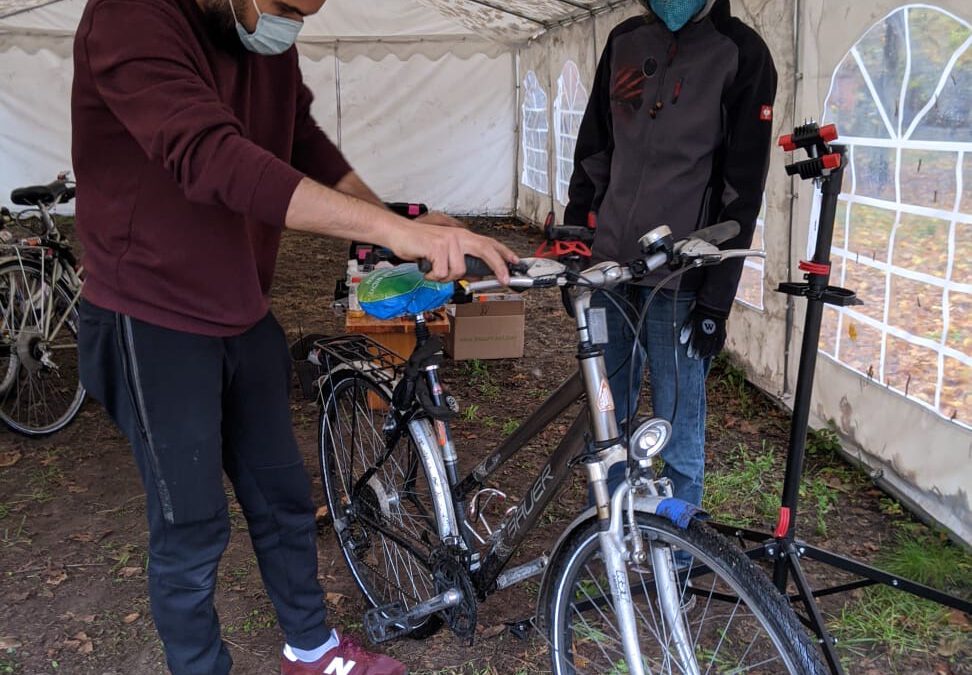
x=737, y=622
x=40, y=389
x=385, y=523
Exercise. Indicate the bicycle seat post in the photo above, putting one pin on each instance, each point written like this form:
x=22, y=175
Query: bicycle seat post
x=422, y=333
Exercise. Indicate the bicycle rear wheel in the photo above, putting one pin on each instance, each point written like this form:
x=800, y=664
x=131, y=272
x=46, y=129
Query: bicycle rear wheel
x=737, y=621
x=386, y=527
x=40, y=389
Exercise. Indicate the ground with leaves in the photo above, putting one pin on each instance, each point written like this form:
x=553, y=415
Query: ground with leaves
x=73, y=537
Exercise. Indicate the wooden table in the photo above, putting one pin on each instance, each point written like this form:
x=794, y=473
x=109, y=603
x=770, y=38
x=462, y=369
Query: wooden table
x=397, y=335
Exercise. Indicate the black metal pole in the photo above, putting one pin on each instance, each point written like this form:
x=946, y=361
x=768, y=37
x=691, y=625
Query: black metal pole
x=818, y=280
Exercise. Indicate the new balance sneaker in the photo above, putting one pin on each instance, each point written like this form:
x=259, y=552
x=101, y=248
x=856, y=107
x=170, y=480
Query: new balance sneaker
x=348, y=658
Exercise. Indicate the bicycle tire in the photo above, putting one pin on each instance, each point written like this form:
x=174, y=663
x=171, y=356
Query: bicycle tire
x=26, y=379
x=755, y=629
x=383, y=499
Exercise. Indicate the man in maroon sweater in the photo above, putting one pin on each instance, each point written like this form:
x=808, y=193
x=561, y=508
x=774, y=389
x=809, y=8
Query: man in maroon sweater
x=194, y=147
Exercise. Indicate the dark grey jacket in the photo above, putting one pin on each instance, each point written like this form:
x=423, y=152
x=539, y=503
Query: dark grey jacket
x=677, y=132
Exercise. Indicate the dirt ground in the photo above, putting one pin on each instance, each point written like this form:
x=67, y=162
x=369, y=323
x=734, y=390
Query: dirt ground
x=73, y=539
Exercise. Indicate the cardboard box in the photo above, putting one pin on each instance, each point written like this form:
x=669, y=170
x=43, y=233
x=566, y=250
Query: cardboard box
x=489, y=327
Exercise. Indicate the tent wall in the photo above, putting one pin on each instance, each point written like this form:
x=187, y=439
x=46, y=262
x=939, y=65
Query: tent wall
x=423, y=117
x=922, y=455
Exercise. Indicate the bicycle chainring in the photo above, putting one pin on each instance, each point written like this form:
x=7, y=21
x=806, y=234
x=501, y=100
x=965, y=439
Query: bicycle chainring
x=448, y=572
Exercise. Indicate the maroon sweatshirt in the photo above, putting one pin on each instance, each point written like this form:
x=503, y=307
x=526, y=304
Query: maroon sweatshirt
x=187, y=150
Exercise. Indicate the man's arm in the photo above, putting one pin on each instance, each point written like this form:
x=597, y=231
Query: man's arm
x=352, y=218
x=749, y=107
x=151, y=84
x=595, y=145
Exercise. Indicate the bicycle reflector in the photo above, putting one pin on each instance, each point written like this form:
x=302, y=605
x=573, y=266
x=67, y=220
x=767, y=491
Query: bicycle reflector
x=649, y=439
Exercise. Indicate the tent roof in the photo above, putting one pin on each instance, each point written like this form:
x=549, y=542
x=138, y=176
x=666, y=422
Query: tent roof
x=508, y=21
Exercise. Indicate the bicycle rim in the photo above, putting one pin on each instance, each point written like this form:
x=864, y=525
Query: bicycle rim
x=40, y=389
x=387, y=527
x=737, y=622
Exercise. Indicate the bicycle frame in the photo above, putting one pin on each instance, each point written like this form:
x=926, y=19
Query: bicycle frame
x=592, y=439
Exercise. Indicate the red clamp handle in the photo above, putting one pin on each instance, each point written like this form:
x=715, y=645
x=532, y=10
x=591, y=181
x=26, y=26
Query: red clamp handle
x=820, y=269
x=791, y=142
x=558, y=249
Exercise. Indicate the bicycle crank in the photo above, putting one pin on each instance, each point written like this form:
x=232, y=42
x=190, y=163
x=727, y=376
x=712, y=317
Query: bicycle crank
x=449, y=573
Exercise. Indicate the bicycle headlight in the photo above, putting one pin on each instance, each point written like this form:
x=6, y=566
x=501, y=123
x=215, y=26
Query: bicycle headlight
x=649, y=439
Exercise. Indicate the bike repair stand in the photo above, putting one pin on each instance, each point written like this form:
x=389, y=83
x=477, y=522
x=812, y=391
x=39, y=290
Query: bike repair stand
x=825, y=167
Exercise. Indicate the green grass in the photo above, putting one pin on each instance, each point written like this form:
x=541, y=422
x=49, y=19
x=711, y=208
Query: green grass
x=744, y=493
x=899, y=622
x=478, y=373
x=732, y=378
x=469, y=414
x=509, y=426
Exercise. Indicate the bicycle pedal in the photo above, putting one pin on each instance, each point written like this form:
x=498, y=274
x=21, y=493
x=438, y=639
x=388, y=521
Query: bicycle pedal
x=520, y=629
x=383, y=624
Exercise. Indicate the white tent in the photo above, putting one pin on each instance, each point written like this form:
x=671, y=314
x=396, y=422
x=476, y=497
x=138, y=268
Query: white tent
x=473, y=106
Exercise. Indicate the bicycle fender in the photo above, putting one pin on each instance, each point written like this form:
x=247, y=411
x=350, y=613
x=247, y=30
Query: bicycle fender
x=678, y=511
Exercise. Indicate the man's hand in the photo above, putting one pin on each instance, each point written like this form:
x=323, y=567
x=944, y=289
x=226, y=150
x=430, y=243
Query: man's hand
x=321, y=210
x=445, y=248
x=704, y=332
x=439, y=218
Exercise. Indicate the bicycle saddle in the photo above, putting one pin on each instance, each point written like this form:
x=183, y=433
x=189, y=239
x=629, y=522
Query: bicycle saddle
x=401, y=291
x=37, y=195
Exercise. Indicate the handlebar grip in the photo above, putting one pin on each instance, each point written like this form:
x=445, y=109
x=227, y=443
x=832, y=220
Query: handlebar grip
x=718, y=233
x=475, y=267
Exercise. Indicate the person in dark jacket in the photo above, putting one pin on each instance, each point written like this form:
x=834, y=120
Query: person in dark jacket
x=677, y=132
x=194, y=147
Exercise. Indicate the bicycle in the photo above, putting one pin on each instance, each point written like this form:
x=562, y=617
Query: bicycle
x=612, y=599
x=40, y=286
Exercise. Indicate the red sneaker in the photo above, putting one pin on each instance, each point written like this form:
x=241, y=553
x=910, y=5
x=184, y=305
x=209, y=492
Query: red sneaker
x=348, y=658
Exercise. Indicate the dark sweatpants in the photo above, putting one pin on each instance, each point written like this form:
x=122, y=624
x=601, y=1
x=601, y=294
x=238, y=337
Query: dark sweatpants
x=194, y=407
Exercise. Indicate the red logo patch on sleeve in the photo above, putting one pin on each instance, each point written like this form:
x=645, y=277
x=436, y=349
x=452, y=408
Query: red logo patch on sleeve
x=766, y=113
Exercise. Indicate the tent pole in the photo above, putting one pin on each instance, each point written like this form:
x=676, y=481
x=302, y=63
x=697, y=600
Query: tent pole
x=337, y=96
x=789, y=319
x=517, y=130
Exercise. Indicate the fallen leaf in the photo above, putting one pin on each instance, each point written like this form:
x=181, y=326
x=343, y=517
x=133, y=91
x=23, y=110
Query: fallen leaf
x=18, y=597
x=959, y=618
x=86, y=647
x=87, y=618
x=56, y=578
x=9, y=458
x=493, y=631
x=9, y=643
x=131, y=618
x=322, y=513
x=949, y=648
x=128, y=572
x=76, y=489
x=335, y=598
x=83, y=537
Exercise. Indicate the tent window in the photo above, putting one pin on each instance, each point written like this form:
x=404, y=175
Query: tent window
x=750, y=291
x=902, y=99
x=568, y=113
x=536, y=132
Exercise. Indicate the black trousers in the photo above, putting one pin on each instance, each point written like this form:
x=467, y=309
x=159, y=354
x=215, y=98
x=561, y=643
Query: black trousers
x=194, y=407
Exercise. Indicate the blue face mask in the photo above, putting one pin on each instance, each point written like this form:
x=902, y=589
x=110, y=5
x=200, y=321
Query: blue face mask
x=676, y=13
x=273, y=34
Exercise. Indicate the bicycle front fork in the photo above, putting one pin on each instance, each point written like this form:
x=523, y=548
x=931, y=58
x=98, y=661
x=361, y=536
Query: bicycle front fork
x=622, y=553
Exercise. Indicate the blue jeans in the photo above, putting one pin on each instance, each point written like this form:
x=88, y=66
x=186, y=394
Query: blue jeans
x=685, y=454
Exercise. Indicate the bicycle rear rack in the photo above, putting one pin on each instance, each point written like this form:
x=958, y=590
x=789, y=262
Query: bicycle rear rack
x=316, y=357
